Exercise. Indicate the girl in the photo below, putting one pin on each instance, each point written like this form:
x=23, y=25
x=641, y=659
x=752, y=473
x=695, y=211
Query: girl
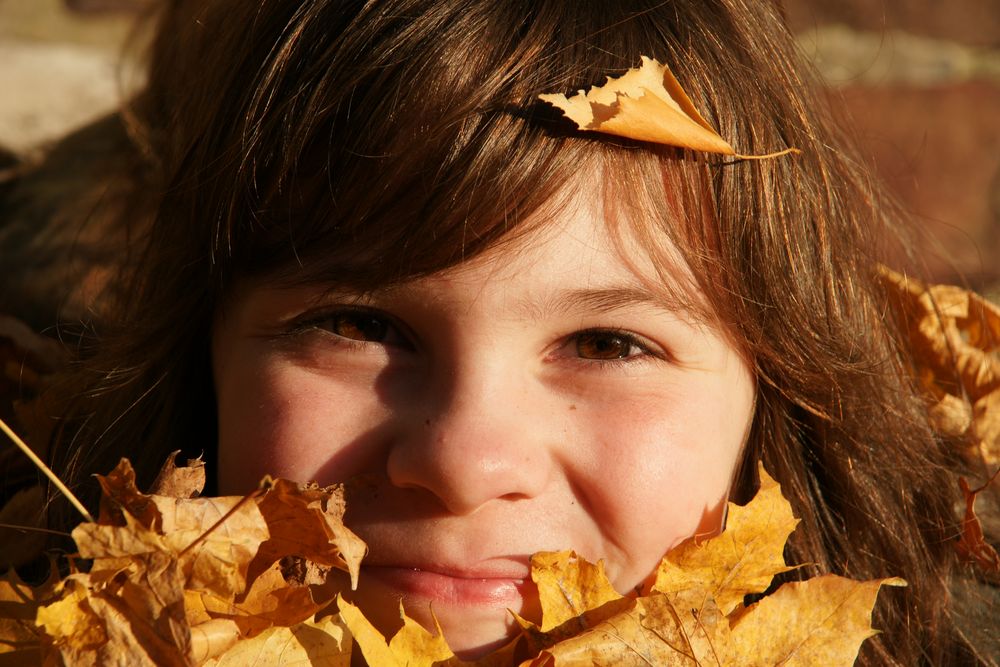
x=376, y=254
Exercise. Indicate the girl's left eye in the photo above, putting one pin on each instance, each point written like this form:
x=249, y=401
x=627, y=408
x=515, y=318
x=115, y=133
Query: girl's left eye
x=608, y=345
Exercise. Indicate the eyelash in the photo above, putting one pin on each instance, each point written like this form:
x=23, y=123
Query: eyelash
x=644, y=351
x=314, y=321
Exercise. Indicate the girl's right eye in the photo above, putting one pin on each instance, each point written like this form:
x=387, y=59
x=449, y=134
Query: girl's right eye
x=355, y=324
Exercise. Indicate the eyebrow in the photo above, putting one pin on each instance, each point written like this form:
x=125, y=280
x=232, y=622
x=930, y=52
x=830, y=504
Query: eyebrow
x=610, y=299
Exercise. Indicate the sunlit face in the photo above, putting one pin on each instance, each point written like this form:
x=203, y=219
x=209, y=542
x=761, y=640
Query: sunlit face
x=535, y=398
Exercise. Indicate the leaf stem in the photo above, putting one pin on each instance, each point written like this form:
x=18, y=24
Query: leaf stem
x=45, y=469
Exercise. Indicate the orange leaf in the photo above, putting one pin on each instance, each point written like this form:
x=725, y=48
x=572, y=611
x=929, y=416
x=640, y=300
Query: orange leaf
x=645, y=103
x=955, y=335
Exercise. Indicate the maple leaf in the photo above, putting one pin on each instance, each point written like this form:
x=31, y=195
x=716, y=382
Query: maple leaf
x=822, y=621
x=692, y=613
x=322, y=643
x=743, y=559
x=651, y=630
x=174, y=581
x=179, y=481
x=646, y=103
x=20, y=639
x=411, y=646
x=572, y=592
x=307, y=521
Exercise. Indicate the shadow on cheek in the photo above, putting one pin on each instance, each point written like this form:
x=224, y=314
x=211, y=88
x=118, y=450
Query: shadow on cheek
x=713, y=520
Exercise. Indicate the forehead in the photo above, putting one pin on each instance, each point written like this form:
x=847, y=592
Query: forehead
x=587, y=241
x=581, y=253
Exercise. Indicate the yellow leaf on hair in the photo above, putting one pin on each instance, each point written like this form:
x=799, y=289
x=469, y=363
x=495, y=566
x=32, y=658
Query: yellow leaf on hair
x=646, y=103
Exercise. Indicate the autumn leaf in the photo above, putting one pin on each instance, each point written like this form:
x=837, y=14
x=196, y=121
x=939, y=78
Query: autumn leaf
x=822, y=621
x=411, y=646
x=175, y=583
x=647, y=104
x=20, y=639
x=572, y=591
x=649, y=631
x=955, y=336
x=307, y=521
x=743, y=559
x=322, y=643
x=179, y=481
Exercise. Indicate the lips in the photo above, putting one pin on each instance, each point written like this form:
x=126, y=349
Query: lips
x=494, y=585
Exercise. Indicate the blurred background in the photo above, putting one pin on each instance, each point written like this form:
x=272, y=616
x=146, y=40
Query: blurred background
x=918, y=79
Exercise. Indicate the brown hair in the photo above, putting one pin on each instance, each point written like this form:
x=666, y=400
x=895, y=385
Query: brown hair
x=371, y=142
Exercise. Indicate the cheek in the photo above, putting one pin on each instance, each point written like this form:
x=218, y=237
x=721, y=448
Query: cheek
x=659, y=469
x=283, y=421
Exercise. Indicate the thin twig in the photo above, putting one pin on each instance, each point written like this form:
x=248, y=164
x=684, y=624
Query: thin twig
x=45, y=469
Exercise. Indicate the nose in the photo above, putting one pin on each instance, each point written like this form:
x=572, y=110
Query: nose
x=476, y=439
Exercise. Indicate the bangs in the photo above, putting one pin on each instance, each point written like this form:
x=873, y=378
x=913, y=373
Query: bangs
x=367, y=189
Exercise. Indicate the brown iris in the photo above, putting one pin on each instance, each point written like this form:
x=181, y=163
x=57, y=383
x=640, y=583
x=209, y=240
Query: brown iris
x=359, y=326
x=603, y=345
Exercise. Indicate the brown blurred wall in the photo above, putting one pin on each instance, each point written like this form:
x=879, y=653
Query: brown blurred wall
x=920, y=80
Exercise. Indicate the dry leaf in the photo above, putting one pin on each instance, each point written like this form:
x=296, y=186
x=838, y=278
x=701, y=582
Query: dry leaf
x=20, y=639
x=955, y=336
x=211, y=638
x=307, y=521
x=650, y=631
x=170, y=586
x=571, y=590
x=647, y=104
x=743, y=559
x=822, y=621
x=411, y=646
x=177, y=482
x=322, y=643
x=972, y=545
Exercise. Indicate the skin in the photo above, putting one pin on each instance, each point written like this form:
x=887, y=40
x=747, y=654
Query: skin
x=536, y=398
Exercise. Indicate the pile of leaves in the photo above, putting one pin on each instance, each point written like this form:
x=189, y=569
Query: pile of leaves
x=169, y=578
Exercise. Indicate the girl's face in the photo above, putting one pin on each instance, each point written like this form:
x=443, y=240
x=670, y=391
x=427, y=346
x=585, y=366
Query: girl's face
x=537, y=397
